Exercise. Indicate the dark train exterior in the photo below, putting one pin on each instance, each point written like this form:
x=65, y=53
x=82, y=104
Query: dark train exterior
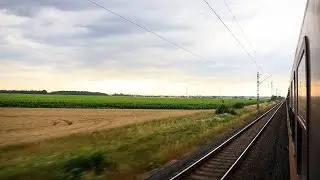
x=303, y=99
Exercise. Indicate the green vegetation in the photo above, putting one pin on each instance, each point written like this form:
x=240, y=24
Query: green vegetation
x=222, y=108
x=225, y=109
x=276, y=98
x=121, y=153
x=122, y=102
x=74, y=168
x=238, y=105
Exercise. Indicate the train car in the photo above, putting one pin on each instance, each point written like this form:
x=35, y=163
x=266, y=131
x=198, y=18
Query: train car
x=303, y=99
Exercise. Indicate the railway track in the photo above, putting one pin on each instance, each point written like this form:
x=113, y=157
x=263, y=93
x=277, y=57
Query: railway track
x=221, y=161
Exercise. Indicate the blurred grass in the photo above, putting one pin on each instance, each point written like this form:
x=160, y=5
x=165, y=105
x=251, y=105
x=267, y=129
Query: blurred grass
x=132, y=149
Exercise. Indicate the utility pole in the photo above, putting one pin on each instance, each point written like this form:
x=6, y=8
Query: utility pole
x=258, y=84
x=271, y=88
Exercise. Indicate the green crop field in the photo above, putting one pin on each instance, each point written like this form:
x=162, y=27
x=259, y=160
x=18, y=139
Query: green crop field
x=122, y=102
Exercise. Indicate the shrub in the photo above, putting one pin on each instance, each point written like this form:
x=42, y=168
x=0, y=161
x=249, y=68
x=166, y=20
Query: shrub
x=225, y=109
x=233, y=112
x=221, y=109
x=74, y=168
x=238, y=105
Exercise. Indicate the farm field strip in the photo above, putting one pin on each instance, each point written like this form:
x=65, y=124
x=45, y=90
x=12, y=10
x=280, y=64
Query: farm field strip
x=114, y=102
x=21, y=125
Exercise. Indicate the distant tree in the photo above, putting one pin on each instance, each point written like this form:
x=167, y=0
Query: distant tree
x=23, y=92
x=78, y=93
x=121, y=94
x=274, y=98
x=54, y=92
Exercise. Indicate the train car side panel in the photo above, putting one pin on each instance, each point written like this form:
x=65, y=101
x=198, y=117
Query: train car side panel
x=304, y=93
x=313, y=31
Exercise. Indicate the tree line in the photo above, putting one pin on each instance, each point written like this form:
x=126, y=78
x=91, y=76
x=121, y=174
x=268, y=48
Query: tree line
x=53, y=92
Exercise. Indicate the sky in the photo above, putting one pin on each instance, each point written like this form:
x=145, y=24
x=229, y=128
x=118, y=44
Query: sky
x=76, y=45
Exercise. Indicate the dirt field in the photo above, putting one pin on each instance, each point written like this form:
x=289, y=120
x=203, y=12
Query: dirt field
x=23, y=125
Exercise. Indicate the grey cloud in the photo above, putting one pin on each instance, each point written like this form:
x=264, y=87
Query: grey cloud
x=107, y=26
x=9, y=53
x=117, y=26
x=30, y=7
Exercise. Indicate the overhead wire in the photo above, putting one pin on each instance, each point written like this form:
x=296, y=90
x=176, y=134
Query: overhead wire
x=265, y=79
x=177, y=45
x=242, y=31
x=234, y=36
x=148, y=30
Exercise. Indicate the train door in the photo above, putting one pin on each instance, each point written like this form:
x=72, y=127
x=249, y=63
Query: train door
x=291, y=107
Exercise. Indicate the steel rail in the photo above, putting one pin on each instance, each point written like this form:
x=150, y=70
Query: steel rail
x=250, y=145
x=217, y=149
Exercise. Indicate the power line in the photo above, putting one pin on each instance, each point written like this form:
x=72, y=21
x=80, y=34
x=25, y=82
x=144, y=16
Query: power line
x=251, y=57
x=244, y=34
x=265, y=78
x=146, y=29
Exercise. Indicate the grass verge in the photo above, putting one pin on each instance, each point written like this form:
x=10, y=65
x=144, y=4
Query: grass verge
x=123, y=153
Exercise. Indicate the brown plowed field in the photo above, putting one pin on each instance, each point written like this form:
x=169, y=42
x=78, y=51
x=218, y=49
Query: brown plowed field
x=23, y=125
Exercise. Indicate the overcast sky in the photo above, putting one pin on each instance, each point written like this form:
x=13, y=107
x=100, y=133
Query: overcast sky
x=75, y=45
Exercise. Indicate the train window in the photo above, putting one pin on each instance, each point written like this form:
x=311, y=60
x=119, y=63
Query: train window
x=302, y=88
x=291, y=94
